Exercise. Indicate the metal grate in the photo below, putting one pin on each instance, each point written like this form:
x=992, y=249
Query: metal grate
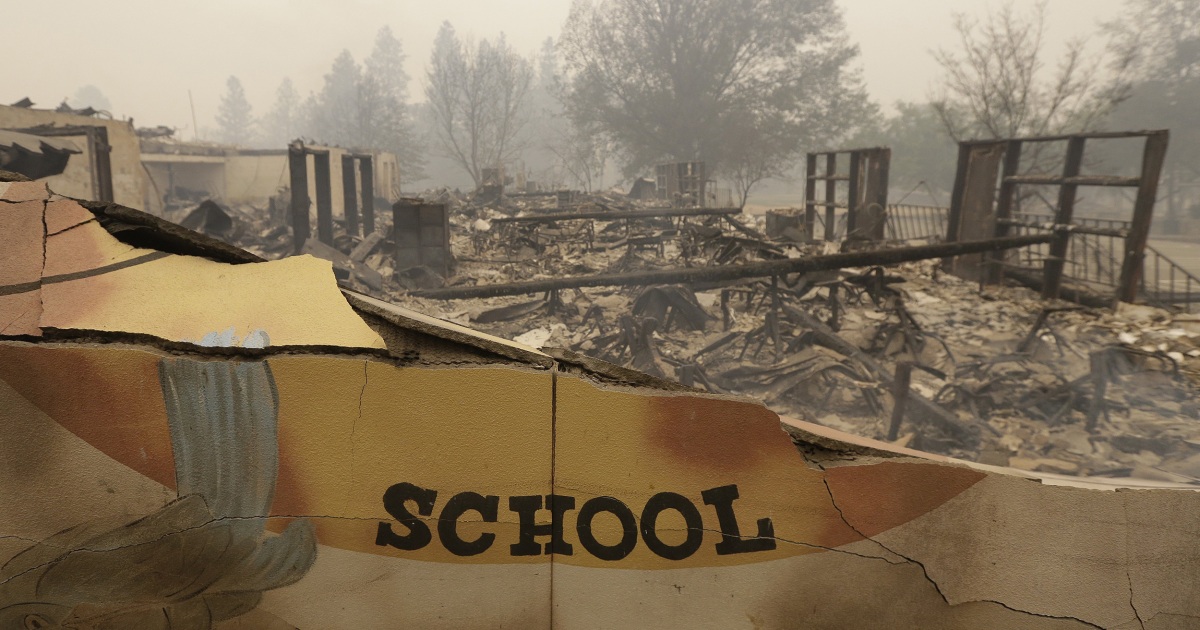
x=916, y=223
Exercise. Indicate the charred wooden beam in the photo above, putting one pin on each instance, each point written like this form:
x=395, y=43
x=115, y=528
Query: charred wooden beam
x=1072, y=228
x=1075, y=180
x=738, y=272
x=616, y=215
x=927, y=410
x=1056, y=261
x=744, y=229
x=1153, y=156
x=298, y=210
x=1037, y=281
x=367, y=175
x=324, y=196
x=831, y=197
x=1098, y=135
x=350, y=195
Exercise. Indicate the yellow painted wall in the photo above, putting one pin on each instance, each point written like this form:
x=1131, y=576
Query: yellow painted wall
x=254, y=178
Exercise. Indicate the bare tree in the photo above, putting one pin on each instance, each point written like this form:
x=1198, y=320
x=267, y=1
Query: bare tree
x=582, y=153
x=923, y=154
x=479, y=98
x=997, y=84
x=1160, y=39
x=753, y=149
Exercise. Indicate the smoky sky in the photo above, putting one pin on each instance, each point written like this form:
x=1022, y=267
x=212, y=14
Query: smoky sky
x=145, y=55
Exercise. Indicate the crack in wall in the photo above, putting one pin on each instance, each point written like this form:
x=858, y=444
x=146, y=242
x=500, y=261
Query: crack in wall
x=1128, y=567
x=66, y=229
x=1171, y=614
x=354, y=425
x=1043, y=616
x=925, y=571
x=17, y=318
x=32, y=541
x=553, y=467
x=42, y=273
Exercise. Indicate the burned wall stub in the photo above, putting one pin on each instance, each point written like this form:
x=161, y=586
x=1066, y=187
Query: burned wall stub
x=215, y=442
x=786, y=224
x=866, y=199
x=421, y=232
x=300, y=219
x=358, y=193
x=682, y=183
x=987, y=202
x=108, y=169
x=98, y=148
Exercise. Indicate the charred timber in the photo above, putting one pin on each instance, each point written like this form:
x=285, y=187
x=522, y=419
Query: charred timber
x=1073, y=228
x=967, y=433
x=738, y=272
x=616, y=215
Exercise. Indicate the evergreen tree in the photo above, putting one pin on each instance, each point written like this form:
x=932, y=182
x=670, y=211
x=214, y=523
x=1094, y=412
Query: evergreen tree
x=386, y=66
x=235, y=123
x=384, y=115
x=336, y=110
x=283, y=123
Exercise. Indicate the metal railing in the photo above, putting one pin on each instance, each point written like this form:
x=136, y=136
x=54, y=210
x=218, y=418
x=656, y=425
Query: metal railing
x=1165, y=283
x=1094, y=256
x=915, y=223
x=1094, y=252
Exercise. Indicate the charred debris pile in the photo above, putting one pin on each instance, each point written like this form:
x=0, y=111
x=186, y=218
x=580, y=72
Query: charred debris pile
x=902, y=352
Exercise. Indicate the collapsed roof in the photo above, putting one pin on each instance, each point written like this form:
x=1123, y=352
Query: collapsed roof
x=34, y=156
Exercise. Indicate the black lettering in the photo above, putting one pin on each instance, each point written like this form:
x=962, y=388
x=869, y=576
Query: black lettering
x=527, y=508
x=731, y=538
x=629, y=535
x=691, y=518
x=393, y=501
x=448, y=523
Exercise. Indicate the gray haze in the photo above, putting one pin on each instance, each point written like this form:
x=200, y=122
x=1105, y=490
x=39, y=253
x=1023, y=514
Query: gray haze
x=145, y=55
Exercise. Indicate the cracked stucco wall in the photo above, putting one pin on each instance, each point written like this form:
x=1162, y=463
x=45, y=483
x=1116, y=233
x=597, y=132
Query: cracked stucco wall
x=195, y=444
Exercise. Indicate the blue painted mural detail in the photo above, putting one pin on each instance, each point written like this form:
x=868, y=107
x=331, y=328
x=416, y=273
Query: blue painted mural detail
x=201, y=559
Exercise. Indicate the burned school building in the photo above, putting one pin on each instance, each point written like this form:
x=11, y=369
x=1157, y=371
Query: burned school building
x=269, y=389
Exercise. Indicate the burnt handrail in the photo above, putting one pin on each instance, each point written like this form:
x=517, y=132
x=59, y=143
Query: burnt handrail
x=617, y=215
x=740, y=272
